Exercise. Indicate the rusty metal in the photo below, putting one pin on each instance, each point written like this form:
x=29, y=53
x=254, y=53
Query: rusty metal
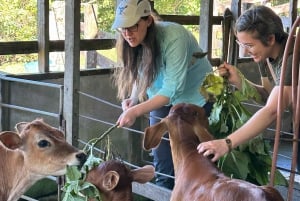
x=293, y=40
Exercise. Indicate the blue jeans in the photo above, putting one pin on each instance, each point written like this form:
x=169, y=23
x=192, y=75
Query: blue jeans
x=162, y=156
x=298, y=156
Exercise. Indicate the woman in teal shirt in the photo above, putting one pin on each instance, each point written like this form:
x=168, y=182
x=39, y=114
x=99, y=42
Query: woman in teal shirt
x=159, y=70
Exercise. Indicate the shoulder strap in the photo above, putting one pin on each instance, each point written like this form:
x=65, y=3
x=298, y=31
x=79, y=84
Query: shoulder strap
x=271, y=70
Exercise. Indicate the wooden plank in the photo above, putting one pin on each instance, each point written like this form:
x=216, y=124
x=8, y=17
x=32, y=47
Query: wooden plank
x=19, y=47
x=72, y=70
x=4, y=98
x=152, y=191
x=189, y=20
x=29, y=47
x=233, y=47
x=43, y=35
x=206, y=15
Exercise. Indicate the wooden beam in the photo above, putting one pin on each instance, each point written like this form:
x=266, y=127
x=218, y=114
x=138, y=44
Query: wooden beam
x=152, y=191
x=206, y=24
x=189, y=19
x=72, y=70
x=43, y=35
x=29, y=47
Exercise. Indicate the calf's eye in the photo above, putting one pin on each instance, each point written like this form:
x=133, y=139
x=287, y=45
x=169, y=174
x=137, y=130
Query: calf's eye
x=44, y=143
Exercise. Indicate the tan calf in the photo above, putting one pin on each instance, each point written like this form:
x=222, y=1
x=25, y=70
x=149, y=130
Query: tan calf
x=196, y=177
x=37, y=150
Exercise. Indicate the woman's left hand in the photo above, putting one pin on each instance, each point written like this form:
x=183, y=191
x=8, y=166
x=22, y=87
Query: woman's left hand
x=217, y=148
x=127, y=118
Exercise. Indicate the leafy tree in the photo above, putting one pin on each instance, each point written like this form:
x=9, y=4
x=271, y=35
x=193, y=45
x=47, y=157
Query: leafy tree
x=177, y=7
x=18, y=22
x=106, y=10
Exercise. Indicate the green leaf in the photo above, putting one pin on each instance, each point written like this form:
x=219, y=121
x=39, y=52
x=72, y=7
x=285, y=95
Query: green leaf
x=235, y=164
x=280, y=179
x=257, y=146
x=212, y=84
x=73, y=173
x=90, y=190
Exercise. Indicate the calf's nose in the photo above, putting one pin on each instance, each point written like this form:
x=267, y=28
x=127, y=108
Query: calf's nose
x=81, y=158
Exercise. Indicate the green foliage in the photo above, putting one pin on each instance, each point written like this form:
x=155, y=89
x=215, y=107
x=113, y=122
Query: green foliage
x=212, y=85
x=250, y=161
x=76, y=187
x=175, y=7
x=18, y=20
x=106, y=12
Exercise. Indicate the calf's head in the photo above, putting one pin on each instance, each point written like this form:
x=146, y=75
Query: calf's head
x=184, y=122
x=43, y=148
x=114, y=180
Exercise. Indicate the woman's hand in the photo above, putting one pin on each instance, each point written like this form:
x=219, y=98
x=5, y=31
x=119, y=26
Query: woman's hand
x=231, y=73
x=127, y=118
x=128, y=103
x=217, y=148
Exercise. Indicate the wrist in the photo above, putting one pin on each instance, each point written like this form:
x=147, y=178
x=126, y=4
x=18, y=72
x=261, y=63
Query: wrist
x=134, y=100
x=228, y=143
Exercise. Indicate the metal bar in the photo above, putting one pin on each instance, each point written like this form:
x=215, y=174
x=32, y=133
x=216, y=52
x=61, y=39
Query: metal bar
x=295, y=103
x=29, y=110
x=47, y=84
x=28, y=198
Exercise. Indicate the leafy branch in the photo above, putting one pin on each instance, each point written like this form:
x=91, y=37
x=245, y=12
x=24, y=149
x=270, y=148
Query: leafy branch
x=250, y=161
x=76, y=187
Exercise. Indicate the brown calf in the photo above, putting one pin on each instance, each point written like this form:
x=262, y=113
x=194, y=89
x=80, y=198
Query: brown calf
x=114, y=180
x=37, y=150
x=196, y=177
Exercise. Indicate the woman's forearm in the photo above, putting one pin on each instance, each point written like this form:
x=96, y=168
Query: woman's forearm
x=150, y=105
x=255, y=125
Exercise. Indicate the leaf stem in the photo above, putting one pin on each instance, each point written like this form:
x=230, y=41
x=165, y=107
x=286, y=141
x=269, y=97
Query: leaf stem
x=94, y=141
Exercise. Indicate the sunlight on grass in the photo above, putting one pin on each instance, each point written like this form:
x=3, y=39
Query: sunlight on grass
x=17, y=68
x=111, y=54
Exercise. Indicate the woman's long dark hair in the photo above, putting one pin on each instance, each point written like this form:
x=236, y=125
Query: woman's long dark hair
x=262, y=21
x=139, y=64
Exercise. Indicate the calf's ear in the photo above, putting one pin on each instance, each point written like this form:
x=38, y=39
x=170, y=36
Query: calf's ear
x=10, y=140
x=19, y=127
x=202, y=133
x=111, y=180
x=153, y=134
x=143, y=174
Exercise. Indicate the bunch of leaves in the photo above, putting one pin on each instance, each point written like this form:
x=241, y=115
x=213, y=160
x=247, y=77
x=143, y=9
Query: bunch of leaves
x=76, y=187
x=250, y=161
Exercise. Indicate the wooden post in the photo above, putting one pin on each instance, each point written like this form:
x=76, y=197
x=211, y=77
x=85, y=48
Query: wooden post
x=43, y=35
x=72, y=70
x=206, y=16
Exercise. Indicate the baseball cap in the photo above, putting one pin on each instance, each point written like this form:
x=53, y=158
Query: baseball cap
x=129, y=12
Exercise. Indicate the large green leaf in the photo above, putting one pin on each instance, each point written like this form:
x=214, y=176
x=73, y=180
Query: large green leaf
x=250, y=161
x=235, y=164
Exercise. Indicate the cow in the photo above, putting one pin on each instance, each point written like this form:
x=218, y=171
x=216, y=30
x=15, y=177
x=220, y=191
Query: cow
x=196, y=177
x=36, y=150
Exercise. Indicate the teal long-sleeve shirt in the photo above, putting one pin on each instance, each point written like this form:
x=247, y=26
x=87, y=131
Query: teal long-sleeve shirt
x=181, y=74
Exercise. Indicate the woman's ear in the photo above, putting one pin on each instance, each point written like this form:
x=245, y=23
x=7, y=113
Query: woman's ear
x=271, y=40
x=149, y=21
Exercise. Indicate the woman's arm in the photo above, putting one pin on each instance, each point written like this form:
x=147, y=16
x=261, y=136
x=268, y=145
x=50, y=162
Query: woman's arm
x=129, y=116
x=133, y=100
x=254, y=126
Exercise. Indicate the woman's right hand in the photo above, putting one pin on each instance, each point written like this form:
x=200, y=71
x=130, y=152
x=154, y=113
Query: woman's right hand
x=215, y=148
x=232, y=73
x=129, y=102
